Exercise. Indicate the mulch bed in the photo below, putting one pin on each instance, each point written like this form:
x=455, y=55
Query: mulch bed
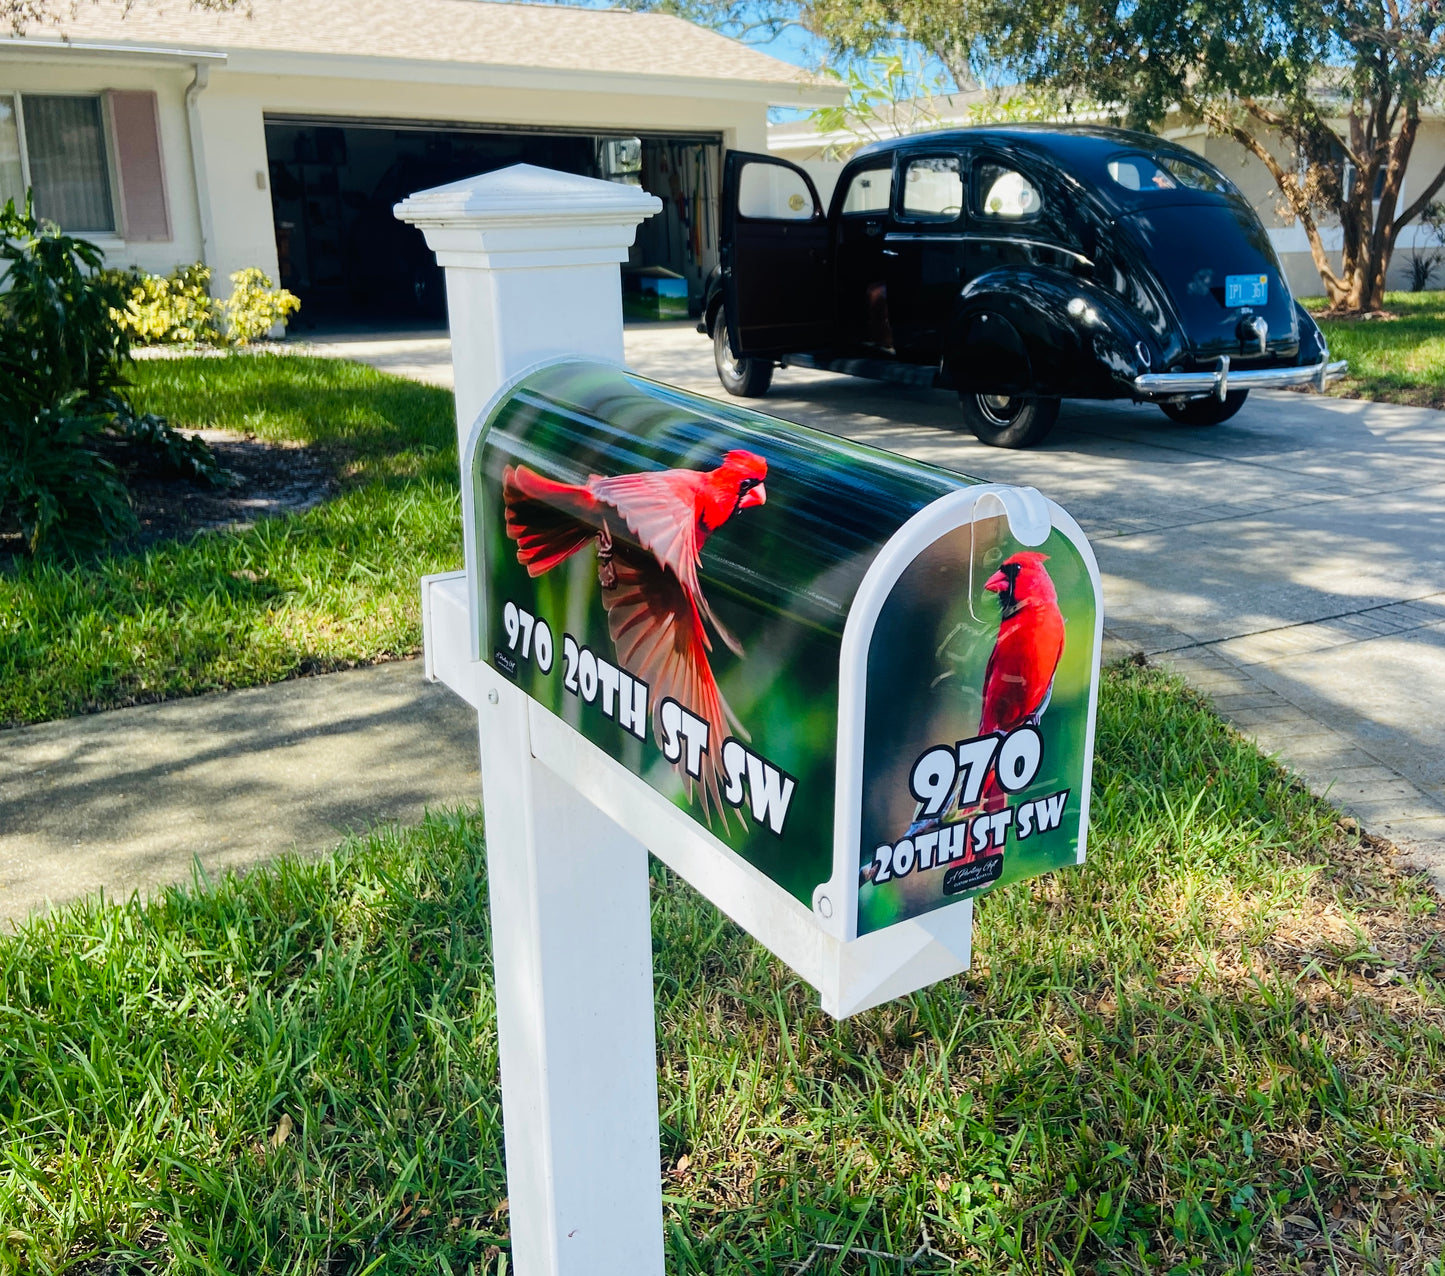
x=271, y=479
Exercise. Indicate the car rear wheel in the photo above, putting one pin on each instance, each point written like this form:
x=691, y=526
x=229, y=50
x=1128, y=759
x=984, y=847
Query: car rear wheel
x=746, y=378
x=1208, y=411
x=1002, y=420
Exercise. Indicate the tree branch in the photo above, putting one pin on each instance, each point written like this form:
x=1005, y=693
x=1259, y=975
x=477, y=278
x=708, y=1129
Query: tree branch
x=1422, y=202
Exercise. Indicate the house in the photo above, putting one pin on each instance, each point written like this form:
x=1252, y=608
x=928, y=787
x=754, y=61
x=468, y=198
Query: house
x=821, y=154
x=280, y=134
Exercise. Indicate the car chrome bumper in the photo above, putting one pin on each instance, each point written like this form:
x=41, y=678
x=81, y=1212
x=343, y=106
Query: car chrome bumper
x=1158, y=385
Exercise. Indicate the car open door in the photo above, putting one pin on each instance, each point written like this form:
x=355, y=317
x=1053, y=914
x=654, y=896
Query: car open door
x=777, y=286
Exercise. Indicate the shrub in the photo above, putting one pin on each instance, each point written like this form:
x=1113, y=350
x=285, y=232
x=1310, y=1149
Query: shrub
x=62, y=394
x=174, y=309
x=178, y=309
x=256, y=305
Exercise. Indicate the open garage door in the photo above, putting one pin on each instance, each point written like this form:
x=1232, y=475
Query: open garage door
x=334, y=183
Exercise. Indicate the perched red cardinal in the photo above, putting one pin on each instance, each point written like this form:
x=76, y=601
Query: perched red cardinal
x=655, y=604
x=1019, y=677
x=1020, y=671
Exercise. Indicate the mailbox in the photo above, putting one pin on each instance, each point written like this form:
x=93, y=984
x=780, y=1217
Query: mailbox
x=867, y=682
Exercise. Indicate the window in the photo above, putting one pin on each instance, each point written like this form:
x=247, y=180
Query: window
x=66, y=145
x=1139, y=173
x=933, y=188
x=12, y=174
x=93, y=161
x=1006, y=193
x=869, y=191
x=773, y=192
x=1164, y=173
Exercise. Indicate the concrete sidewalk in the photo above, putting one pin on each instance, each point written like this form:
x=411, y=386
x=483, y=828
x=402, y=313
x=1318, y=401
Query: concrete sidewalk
x=125, y=801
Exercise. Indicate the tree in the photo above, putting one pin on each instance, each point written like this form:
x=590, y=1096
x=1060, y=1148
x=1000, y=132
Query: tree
x=24, y=14
x=1327, y=94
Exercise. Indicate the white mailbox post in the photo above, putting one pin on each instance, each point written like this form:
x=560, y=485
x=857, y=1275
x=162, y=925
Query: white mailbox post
x=839, y=692
x=532, y=267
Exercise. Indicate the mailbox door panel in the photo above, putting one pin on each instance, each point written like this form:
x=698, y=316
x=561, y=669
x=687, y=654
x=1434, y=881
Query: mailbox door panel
x=977, y=721
x=671, y=576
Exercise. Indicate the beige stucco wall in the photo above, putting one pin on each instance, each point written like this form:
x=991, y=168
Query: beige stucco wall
x=49, y=74
x=231, y=139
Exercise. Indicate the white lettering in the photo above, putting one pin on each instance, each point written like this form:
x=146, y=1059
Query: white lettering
x=926, y=844
x=734, y=763
x=587, y=674
x=1000, y=821
x=1019, y=758
x=1050, y=810
x=771, y=791
x=671, y=719
x=632, y=706
x=931, y=780
x=607, y=675
x=903, y=858
x=696, y=732
x=569, y=663
x=974, y=757
x=952, y=842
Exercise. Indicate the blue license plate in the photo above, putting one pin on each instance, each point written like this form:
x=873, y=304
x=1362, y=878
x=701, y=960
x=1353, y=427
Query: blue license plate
x=1246, y=290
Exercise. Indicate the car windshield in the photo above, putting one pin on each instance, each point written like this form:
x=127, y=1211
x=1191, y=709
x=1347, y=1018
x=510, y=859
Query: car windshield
x=1165, y=173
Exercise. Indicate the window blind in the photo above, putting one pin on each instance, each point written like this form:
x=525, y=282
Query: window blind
x=65, y=143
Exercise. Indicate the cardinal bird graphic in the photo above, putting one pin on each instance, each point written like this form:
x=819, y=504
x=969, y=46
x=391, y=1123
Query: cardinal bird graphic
x=1019, y=677
x=655, y=605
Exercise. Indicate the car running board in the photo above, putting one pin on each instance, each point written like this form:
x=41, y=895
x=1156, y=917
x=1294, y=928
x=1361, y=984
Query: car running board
x=922, y=375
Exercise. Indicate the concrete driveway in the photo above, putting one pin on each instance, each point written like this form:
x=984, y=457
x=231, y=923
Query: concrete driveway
x=1291, y=562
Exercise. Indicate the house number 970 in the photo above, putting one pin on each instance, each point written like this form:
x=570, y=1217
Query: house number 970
x=535, y=636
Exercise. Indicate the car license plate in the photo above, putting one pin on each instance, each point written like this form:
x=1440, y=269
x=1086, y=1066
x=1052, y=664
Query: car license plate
x=1246, y=290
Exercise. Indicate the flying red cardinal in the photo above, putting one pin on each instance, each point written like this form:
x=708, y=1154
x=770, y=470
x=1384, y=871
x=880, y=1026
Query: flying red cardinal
x=1019, y=677
x=655, y=604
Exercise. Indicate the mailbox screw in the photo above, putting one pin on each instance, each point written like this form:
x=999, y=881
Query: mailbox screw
x=825, y=906
x=492, y=696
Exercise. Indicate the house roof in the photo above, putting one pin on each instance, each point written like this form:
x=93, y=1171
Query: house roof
x=969, y=107
x=465, y=32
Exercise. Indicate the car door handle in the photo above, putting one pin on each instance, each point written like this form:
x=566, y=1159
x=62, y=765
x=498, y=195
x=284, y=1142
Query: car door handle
x=890, y=252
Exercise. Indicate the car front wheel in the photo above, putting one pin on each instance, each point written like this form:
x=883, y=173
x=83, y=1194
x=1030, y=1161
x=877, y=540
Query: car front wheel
x=1002, y=420
x=746, y=378
x=1208, y=411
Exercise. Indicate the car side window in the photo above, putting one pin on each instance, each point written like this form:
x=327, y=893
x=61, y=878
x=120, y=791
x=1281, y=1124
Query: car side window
x=1004, y=193
x=870, y=190
x=933, y=188
x=771, y=192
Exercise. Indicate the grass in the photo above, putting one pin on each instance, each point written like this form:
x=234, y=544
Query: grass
x=1216, y=1048
x=326, y=589
x=1399, y=360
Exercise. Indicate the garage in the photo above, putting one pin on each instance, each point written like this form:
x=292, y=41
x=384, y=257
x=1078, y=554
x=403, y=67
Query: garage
x=334, y=183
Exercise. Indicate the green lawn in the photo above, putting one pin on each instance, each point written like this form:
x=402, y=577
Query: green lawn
x=322, y=590
x=1217, y=1048
x=1398, y=360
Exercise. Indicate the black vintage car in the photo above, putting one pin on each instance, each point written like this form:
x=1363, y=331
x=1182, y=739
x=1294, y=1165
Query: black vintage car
x=1017, y=265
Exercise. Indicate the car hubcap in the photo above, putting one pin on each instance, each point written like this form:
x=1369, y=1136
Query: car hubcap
x=1000, y=409
x=732, y=367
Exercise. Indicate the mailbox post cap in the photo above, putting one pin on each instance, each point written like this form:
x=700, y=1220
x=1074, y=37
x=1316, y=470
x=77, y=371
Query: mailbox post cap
x=526, y=191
